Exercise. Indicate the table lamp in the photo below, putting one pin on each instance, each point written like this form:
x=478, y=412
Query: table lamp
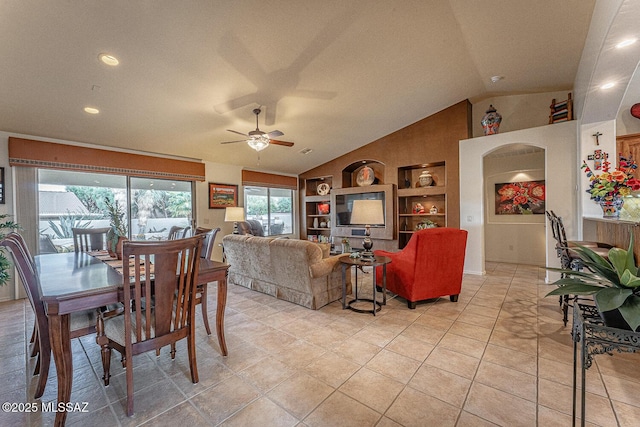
x=367, y=213
x=234, y=215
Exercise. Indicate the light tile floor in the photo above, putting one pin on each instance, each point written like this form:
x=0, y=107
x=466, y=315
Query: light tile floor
x=499, y=356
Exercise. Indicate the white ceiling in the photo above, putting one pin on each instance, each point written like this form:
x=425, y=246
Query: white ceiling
x=331, y=75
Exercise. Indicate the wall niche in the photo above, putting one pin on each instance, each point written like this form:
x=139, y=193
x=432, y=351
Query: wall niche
x=359, y=174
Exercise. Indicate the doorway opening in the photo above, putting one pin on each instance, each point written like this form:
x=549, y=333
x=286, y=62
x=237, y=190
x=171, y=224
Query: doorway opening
x=514, y=202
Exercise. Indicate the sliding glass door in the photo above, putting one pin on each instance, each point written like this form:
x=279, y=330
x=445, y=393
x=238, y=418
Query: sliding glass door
x=69, y=199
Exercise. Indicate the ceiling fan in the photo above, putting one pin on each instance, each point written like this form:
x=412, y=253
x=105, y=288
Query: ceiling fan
x=259, y=140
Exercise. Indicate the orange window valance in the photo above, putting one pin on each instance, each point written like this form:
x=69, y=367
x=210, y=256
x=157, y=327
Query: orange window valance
x=49, y=155
x=261, y=179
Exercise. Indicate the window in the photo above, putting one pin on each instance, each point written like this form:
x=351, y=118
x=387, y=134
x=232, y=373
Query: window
x=157, y=205
x=70, y=199
x=273, y=207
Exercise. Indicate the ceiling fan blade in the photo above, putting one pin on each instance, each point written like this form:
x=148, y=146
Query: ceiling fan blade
x=274, y=133
x=231, y=142
x=283, y=143
x=239, y=133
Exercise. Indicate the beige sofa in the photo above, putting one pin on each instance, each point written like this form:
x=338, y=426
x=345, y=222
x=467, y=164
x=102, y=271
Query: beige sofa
x=289, y=269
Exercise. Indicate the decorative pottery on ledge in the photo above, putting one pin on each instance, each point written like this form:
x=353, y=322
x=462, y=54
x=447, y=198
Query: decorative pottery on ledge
x=491, y=121
x=611, y=207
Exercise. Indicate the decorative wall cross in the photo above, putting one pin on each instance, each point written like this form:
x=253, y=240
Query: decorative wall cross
x=598, y=156
x=597, y=135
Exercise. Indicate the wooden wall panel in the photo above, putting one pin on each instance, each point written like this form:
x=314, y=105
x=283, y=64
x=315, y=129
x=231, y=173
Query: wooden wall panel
x=432, y=139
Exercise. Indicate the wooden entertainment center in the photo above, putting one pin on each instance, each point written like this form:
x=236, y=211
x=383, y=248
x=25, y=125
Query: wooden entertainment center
x=397, y=159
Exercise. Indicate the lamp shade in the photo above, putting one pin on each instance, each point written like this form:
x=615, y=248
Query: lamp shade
x=234, y=214
x=367, y=212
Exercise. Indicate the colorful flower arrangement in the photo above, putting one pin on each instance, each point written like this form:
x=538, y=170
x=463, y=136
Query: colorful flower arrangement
x=525, y=197
x=611, y=184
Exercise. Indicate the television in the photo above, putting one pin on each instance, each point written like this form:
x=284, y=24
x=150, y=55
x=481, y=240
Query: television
x=342, y=200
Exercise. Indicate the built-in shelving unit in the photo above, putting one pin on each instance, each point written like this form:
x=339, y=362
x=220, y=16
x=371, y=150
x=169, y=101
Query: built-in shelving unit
x=317, y=210
x=417, y=204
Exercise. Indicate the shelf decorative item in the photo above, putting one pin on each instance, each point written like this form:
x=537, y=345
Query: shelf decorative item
x=433, y=210
x=365, y=176
x=418, y=208
x=323, y=189
x=346, y=247
x=323, y=224
x=561, y=111
x=491, y=121
x=323, y=208
x=609, y=187
x=315, y=223
x=426, y=223
x=425, y=179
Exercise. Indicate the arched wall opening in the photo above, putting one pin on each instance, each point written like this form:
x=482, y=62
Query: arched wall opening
x=559, y=142
x=514, y=200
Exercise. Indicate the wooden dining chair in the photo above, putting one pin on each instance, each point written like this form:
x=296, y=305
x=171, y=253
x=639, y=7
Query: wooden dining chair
x=166, y=273
x=201, y=288
x=81, y=323
x=176, y=232
x=90, y=239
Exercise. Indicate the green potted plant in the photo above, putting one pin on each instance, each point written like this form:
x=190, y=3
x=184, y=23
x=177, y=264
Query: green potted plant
x=117, y=227
x=5, y=264
x=614, y=284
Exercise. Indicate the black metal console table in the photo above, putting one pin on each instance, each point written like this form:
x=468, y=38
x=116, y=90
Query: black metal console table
x=595, y=338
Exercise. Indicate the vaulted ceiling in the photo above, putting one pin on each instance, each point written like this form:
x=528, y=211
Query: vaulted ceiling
x=331, y=75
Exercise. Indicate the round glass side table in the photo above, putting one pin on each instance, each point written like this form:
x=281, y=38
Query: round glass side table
x=347, y=262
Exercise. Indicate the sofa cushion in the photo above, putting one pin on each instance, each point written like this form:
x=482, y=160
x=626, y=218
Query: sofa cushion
x=290, y=269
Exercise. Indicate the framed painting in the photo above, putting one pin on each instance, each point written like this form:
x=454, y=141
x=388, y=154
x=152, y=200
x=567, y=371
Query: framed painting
x=222, y=196
x=520, y=198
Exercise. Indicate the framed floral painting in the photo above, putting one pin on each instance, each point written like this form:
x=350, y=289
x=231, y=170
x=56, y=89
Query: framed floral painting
x=520, y=198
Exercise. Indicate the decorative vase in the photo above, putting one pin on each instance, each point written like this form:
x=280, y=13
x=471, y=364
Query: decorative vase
x=315, y=223
x=611, y=207
x=425, y=179
x=121, y=241
x=323, y=224
x=491, y=121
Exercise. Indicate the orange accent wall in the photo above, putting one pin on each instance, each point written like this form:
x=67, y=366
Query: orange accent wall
x=27, y=152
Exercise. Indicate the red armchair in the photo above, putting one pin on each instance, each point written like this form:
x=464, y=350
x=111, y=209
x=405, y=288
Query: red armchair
x=430, y=266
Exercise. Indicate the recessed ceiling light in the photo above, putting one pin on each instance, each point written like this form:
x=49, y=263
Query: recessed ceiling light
x=625, y=43
x=607, y=85
x=306, y=151
x=91, y=110
x=108, y=59
x=496, y=79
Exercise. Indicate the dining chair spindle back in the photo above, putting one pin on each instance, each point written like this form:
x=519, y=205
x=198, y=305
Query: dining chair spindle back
x=159, y=298
x=90, y=239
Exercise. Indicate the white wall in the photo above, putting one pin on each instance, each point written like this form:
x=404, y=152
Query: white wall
x=213, y=218
x=587, y=145
x=559, y=142
x=516, y=239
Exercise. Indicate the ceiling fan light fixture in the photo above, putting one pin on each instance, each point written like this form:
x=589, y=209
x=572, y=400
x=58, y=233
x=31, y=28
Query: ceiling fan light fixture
x=258, y=143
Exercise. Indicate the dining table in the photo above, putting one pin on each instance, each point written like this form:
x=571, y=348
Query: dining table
x=78, y=281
